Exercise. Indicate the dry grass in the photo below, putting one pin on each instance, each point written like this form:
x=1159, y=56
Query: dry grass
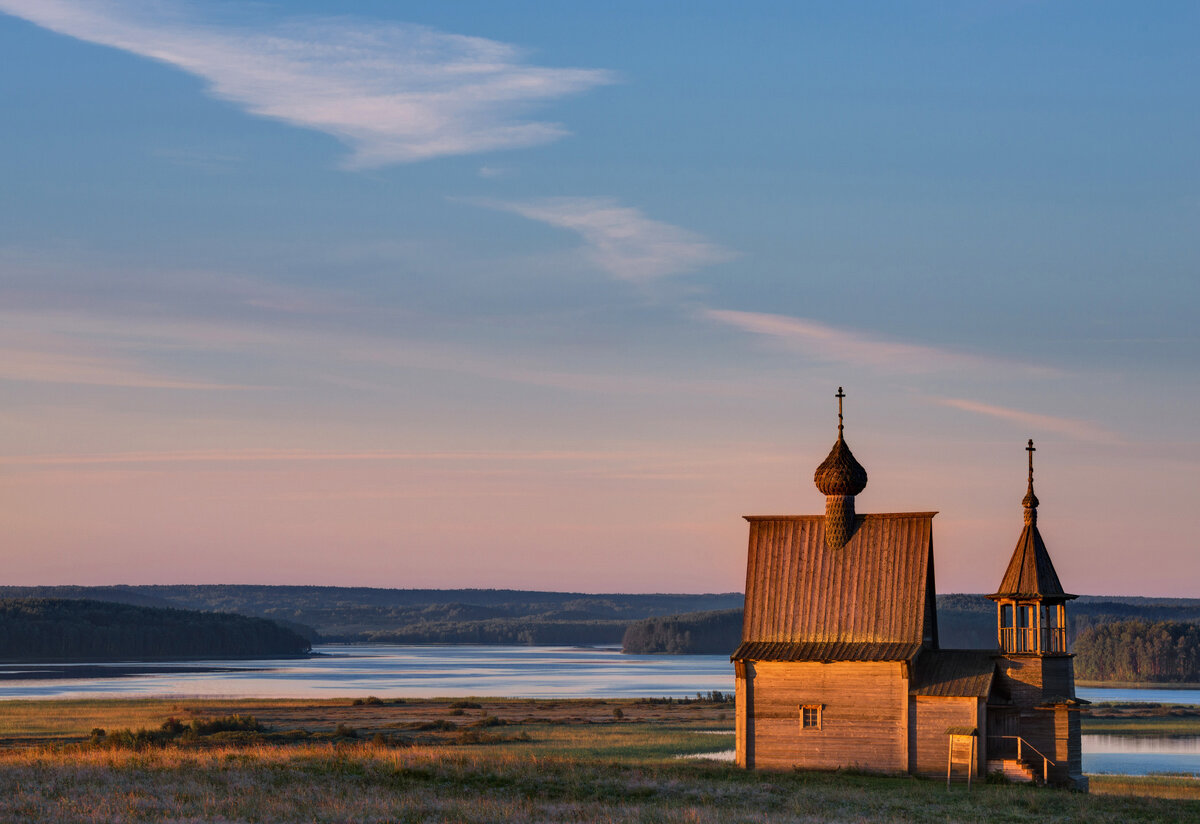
x=1141, y=719
x=31, y=722
x=1149, y=786
x=369, y=783
x=575, y=762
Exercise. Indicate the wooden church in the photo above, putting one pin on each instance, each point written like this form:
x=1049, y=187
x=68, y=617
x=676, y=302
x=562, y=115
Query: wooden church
x=840, y=666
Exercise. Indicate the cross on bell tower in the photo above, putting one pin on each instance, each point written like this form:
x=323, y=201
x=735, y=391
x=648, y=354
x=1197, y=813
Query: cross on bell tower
x=1035, y=666
x=1030, y=601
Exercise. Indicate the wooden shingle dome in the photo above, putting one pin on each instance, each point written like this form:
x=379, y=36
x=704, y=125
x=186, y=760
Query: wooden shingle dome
x=839, y=478
x=840, y=473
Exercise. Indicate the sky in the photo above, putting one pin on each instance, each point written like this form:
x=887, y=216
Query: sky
x=549, y=296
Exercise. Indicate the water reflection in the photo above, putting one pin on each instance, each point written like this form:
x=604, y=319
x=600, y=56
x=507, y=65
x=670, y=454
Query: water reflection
x=1141, y=754
x=1140, y=696
x=522, y=672
x=412, y=672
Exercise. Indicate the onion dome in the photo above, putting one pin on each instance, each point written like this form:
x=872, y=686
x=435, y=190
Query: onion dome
x=840, y=473
x=840, y=477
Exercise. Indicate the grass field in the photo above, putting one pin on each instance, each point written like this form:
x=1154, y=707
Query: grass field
x=480, y=761
x=1141, y=719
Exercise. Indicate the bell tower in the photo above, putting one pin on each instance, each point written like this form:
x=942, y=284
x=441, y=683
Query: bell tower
x=1035, y=666
x=1031, y=612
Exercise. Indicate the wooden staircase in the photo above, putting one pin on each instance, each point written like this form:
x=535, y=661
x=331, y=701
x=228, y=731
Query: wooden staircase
x=1029, y=765
x=1014, y=770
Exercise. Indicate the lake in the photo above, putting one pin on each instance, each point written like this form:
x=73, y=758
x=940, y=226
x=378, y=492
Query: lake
x=1141, y=754
x=398, y=672
x=424, y=672
x=519, y=672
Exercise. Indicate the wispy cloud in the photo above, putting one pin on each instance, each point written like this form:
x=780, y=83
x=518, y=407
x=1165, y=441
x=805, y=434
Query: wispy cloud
x=620, y=239
x=393, y=92
x=307, y=455
x=29, y=365
x=1071, y=427
x=837, y=345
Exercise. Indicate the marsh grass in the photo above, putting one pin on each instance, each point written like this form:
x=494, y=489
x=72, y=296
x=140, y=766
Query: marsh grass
x=367, y=783
x=1141, y=719
x=1157, y=786
x=547, y=761
x=1141, y=726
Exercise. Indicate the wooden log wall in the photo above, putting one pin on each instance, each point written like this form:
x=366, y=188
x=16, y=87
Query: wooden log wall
x=743, y=714
x=864, y=715
x=927, y=740
x=1032, y=680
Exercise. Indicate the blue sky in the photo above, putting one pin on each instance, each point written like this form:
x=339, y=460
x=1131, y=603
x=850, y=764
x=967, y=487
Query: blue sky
x=548, y=295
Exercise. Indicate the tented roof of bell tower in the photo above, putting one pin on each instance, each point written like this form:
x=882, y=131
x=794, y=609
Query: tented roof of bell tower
x=1030, y=573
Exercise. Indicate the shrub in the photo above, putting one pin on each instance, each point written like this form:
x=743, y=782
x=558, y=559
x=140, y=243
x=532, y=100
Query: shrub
x=230, y=723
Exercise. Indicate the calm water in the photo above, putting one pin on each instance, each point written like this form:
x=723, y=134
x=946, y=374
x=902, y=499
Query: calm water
x=1140, y=755
x=1171, y=696
x=413, y=672
x=531, y=672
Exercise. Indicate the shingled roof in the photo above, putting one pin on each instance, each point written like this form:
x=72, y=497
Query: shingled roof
x=952, y=673
x=823, y=651
x=870, y=598
x=1030, y=572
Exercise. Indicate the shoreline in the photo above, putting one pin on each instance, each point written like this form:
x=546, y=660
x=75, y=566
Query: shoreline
x=1138, y=685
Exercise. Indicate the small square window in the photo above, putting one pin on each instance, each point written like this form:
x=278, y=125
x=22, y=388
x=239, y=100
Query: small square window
x=810, y=717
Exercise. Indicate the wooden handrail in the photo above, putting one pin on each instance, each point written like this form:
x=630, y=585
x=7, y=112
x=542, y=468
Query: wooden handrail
x=1025, y=639
x=1046, y=762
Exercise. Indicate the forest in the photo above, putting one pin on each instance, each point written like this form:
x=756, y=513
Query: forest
x=412, y=616
x=1114, y=638
x=1162, y=651
x=1108, y=644
x=42, y=629
x=718, y=631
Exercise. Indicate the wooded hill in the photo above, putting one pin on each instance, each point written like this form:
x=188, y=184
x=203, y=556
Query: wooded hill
x=642, y=623
x=1133, y=639
x=42, y=629
x=413, y=616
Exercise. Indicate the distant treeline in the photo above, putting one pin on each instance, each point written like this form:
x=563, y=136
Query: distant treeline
x=1139, y=651
x=512, y=631
x=413, y=616
x=1108, y=645
x=710, y=632
x=641, y=623
x=969, y=621
x=56, y=629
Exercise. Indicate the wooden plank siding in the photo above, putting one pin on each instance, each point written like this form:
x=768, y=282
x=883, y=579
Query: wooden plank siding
x=864, y=716
x=1068, y=745
x=743, y=713
x=927, y=740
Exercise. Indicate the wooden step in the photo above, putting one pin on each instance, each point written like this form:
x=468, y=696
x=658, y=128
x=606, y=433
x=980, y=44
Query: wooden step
x=1012, y=769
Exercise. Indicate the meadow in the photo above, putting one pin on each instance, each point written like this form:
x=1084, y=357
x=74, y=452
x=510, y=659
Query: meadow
x=473, y=760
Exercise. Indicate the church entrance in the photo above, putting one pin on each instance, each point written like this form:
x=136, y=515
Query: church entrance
x=1002, y=732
